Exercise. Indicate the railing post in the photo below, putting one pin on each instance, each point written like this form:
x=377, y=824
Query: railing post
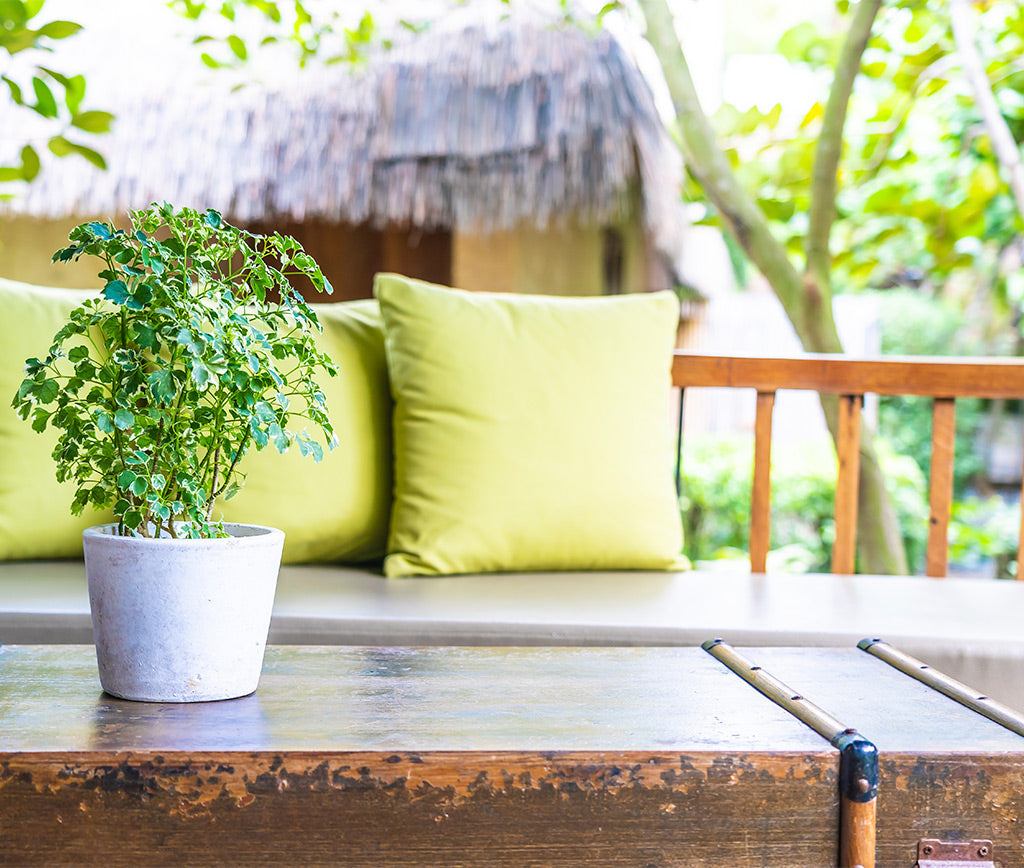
x=940, y=485
x=844, y=549
x=760, y=495
x=1020, y=539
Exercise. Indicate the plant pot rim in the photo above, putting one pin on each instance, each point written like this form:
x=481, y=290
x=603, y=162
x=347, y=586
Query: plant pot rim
x=241, y=534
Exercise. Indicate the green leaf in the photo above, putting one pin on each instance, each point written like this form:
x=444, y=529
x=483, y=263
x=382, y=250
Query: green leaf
x=265, y=412
x=132, y=519
x=237, y=46
x=200, y=373
x=93, y=121
x=124, y=419
x=126, y=478
x=146, y=336
x=16, y=95
x=62, y=148
x=163, y=386
x=116, y=291
x=29, y=163
x=74, y=92
x=45, y=105
x=47, y=391
x=310, y=447
x=279, y=437
x=104, y=421
x=59, y=29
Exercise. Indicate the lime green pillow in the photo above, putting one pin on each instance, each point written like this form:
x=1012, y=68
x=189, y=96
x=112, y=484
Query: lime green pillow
x=35, y=510
x=336, y=509
x=531, y=432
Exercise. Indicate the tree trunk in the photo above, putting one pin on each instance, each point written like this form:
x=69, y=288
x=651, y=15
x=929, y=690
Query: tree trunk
x=806, y=298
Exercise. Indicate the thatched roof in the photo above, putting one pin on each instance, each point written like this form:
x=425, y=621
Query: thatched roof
x=474, y=123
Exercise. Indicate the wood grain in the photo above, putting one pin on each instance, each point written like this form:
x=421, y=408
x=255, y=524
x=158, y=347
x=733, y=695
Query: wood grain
x=942, y=378
x=944, y=771
x=761, y=490
x=858, y=845
x=402, y=757
x=935, y=377
x=844, y=549
x=940, y=486
x=357, y=809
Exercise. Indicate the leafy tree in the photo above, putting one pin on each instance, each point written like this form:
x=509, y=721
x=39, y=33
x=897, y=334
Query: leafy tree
x=51, y=98
x=802, y=284
x=911, y=191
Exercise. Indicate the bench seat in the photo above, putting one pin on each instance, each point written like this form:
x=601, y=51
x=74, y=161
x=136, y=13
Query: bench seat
x=971, y=629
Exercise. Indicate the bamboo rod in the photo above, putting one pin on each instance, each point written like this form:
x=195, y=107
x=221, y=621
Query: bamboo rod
x=858, y=758
x=823, y=723
x=944, y=684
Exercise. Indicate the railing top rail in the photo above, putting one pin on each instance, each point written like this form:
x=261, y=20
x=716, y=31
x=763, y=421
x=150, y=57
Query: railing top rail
x=932, y=376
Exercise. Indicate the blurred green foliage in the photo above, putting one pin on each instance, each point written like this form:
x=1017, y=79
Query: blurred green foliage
x=715, y=502
x=52, y=98
x=716, y=477
x=921, y=201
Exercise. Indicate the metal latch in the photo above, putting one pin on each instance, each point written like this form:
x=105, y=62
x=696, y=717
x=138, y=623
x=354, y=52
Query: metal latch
x=932, y=853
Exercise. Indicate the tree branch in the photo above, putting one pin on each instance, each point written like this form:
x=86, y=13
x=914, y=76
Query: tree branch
x=825, y=174
x=1003, y=145
x=806, y=309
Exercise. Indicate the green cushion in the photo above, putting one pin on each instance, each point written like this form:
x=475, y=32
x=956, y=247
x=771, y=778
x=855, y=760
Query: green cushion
x=336, y=509
x=531, y=432
x=35, y=510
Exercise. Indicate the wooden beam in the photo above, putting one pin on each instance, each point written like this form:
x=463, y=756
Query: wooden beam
x=844, y=375
x=940, y=485
x=844, y=549
x=760, y=495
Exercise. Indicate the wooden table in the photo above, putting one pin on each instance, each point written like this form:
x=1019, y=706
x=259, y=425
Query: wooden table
x=482, y=757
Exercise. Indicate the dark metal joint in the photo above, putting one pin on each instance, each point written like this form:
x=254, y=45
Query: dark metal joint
x=858, y=766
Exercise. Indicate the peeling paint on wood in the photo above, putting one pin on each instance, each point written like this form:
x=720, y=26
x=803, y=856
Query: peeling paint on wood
x=420, y=808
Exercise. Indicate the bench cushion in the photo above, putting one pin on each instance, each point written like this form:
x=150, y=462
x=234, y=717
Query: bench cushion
x=971, y=629
x=530, y=431
x=35, y=510
x=337, y=509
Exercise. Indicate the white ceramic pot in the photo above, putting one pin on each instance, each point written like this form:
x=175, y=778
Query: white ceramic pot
x=181, y=620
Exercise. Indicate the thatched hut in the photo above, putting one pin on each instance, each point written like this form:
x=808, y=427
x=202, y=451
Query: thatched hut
x=506, y=153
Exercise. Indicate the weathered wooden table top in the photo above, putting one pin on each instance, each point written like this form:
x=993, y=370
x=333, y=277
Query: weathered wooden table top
x=485, y=757
x=492, y=699
x=421, y=699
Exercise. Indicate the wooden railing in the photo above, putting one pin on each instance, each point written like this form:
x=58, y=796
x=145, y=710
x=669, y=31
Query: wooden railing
x=942, y=379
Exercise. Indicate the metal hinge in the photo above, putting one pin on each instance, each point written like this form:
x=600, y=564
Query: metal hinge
x=932, y=853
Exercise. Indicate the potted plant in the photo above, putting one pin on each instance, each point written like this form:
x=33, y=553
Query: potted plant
x=197, y=350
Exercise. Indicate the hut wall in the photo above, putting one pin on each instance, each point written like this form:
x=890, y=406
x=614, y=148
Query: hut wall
x=636, y=259
x=350, y=255
x=27, y=245
x=562, y=260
